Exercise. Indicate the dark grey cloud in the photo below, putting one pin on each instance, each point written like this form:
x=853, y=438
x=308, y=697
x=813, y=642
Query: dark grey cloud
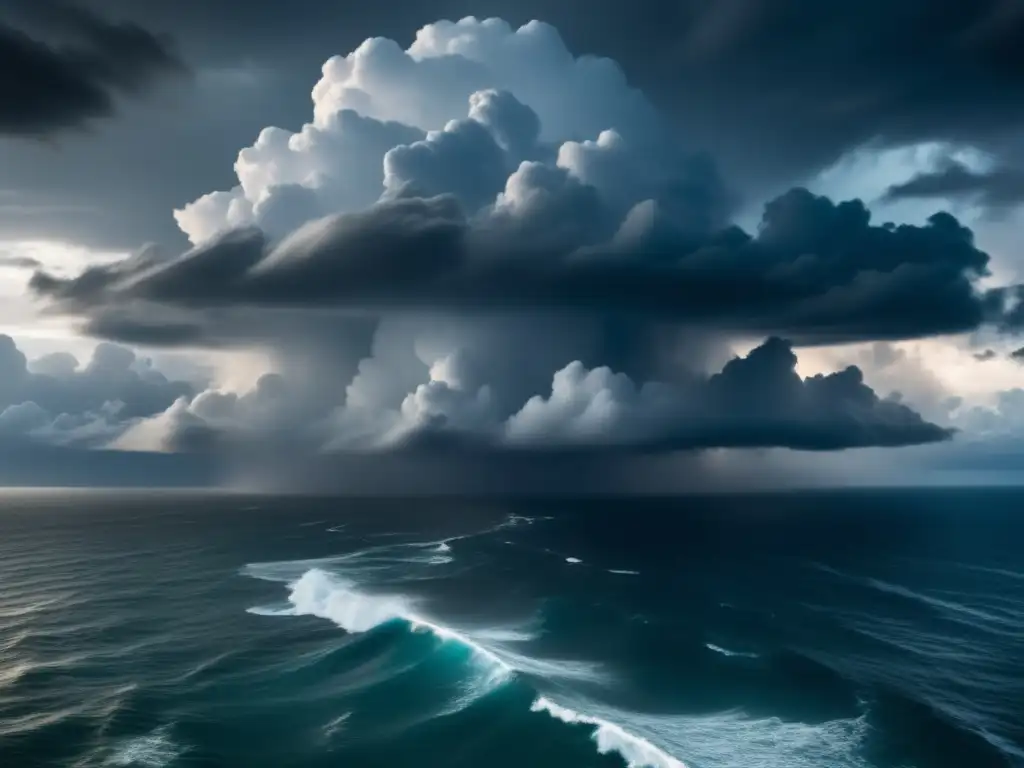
x=64, y=66
x=985, y=355
x=758, y=401
x=732, y=74
x=998, y=188
x=1018, y=355
x=817, y=80
x=818, y=270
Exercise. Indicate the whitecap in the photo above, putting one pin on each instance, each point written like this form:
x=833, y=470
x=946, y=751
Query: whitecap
x=154, y=750
x=336, y=599
x=573, y=560
x=726, y=652
x=504, y=635
x=271, y=610
x=621, y=572
x=724, y=739
x=735, y=739
x=442, y=554
x=637, y=751
x=318, y=593
x=335, y=725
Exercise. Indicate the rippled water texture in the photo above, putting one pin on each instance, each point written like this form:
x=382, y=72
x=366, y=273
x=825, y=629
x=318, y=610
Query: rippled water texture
x=839, y=630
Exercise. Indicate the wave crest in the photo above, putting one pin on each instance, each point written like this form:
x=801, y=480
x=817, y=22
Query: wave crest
x=638, y=752
x=318, y=593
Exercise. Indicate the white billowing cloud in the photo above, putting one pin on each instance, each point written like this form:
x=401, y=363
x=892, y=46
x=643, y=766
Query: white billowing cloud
x=588, y=407
x=450, y=400
x=213, y=213
x=429, y=84
x=288, y=178
x=455, y=113
x=464, y=159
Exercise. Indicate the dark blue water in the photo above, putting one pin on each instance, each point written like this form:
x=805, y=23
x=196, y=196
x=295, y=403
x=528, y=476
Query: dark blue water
x=840, y=630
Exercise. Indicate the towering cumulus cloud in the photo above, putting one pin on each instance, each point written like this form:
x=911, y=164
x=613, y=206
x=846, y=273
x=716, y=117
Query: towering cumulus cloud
x=485, y=242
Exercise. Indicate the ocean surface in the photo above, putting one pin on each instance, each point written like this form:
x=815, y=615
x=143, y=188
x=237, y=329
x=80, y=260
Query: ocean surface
x=804, y=630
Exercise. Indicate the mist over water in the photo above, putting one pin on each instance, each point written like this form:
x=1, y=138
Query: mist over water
x=839, y=629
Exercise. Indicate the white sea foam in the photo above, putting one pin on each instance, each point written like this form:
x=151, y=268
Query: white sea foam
x=620, y=572
x=270, y=610
x=442, y=554
x=321, y=594
x=335, y=725
x=637, y=751
x=642, y=740
x=573, y=560
x=727, y=652
x=331, y=597
x=318, y=593
x=734, y=739
x=154, y=750
x=724, y=739
x=504, y=634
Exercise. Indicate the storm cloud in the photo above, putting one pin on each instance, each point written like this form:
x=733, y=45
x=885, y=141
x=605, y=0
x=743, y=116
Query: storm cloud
x=484, y=244
x=753, y=402
x=818, y=79
x=486, y=167
x=63, y=65
x=775, y=89
x=818, y=270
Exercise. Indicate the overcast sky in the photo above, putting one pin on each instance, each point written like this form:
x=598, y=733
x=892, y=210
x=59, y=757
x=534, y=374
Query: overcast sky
x=594, y=246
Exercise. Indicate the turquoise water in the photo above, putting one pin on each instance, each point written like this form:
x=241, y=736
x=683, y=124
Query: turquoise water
x=775, y=631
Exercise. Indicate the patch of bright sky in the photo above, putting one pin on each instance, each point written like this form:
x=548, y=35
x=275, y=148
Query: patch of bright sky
x=36, y=332
x=949, y=361
x=867, y=173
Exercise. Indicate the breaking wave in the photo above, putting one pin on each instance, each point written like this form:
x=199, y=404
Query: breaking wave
x=322, y=594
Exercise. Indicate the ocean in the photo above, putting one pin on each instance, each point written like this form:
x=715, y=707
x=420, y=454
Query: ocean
x=839, y=629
